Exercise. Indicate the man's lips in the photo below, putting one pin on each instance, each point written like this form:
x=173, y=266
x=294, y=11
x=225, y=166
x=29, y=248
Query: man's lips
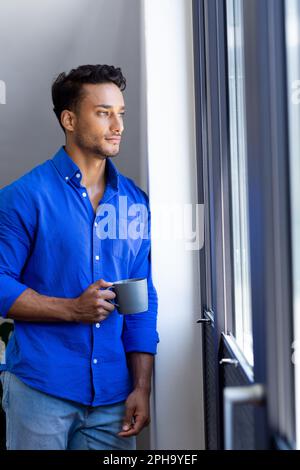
x=114, y=139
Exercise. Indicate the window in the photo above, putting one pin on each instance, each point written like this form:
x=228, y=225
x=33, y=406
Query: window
x=238, y=169
x=293, y=64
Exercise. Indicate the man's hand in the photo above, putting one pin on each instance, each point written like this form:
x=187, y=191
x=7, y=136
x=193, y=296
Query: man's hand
x=137, y=413
x=92, y=305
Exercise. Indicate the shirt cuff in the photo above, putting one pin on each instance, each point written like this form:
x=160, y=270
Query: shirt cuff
x=141, y=340
x=10, y=290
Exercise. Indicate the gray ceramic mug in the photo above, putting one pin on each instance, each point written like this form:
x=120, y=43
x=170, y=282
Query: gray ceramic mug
x=131, y=295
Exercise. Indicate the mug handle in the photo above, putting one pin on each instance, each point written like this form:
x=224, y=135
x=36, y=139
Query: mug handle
x=110, y=301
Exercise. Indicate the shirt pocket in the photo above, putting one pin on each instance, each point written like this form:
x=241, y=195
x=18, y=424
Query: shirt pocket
x=125, y=248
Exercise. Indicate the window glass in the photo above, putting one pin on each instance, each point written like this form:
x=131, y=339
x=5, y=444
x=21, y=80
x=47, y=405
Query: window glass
x=239, y=193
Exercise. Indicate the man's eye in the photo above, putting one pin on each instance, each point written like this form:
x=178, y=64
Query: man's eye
x=105, y=113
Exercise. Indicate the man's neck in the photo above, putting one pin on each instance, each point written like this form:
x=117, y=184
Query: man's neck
x=92, y=167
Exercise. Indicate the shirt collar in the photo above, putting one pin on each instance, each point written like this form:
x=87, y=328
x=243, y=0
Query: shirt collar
x=68, y=168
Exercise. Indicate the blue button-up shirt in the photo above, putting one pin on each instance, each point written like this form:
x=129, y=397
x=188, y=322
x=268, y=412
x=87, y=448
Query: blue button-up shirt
x=50, y=241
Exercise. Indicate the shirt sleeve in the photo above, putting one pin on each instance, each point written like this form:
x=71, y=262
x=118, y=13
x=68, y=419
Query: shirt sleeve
x=15, y=242
x=139, y=330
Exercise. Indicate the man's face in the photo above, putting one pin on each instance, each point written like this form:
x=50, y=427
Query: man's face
x=99, y=119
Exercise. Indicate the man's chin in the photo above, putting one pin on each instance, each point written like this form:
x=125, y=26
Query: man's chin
x=112, y=153
x=105, y=153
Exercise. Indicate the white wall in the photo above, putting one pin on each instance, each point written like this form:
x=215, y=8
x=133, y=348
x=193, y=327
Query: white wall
x=177, y=412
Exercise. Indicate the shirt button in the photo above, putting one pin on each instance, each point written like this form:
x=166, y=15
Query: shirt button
x=95, y=224
x=95, y=361
x=84, y=194
x=97, y=325
x=66, y=178
x=77, y=175
x=97, y=257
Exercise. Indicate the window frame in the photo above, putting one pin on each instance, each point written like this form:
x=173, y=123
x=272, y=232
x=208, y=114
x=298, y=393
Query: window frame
x=268, y=199
x=269, y=210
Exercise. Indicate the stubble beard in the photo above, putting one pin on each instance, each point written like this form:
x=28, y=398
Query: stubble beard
x=88, y=146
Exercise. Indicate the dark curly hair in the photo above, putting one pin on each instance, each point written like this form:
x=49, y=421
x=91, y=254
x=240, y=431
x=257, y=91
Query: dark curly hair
x=67, y=89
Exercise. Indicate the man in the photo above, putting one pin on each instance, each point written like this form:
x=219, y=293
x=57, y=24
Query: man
x=77, y=373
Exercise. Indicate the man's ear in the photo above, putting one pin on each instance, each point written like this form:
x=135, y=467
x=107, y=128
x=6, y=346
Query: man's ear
x=67, y=119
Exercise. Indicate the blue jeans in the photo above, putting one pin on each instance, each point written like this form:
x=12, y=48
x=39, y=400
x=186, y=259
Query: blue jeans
x=38, y=421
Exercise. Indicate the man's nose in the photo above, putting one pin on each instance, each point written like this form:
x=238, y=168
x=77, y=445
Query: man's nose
x=117, y=124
